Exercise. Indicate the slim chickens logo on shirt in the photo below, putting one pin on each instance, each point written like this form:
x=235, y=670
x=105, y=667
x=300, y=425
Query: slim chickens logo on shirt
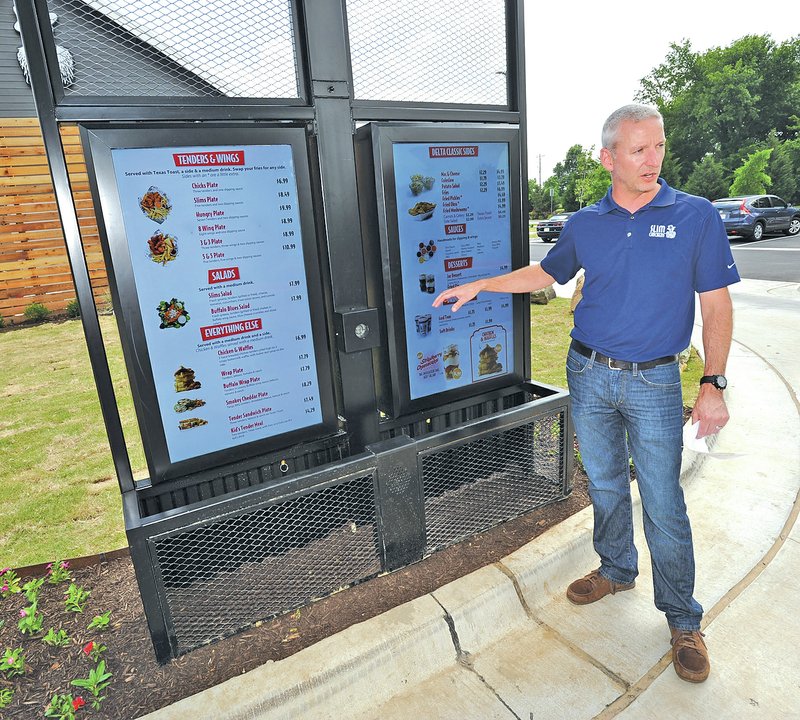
x=662, y=231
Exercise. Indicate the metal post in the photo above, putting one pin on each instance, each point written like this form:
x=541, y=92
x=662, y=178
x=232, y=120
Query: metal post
x=43, y=94
x=326, y=42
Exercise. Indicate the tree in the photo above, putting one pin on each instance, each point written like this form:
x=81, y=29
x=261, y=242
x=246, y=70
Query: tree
x=750, y=177
x=784, y=169
x=594, y=184
x=726, y=99
x=581, y=179
x=539, y=199
x=708, y=179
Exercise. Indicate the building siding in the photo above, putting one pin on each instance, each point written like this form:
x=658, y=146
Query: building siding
x=16, y=99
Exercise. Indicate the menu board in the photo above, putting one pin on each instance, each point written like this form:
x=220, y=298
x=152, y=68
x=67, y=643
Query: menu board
x=454, y=226
x=215, y=249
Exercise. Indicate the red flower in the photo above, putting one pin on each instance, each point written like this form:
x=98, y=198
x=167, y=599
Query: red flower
x=78, y=703
x=88, y=647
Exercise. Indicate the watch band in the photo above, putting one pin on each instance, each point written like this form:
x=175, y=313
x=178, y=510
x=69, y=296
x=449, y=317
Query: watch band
x=718, y=381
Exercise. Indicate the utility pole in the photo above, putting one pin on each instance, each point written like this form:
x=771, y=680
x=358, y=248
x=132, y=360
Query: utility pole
x=540, y=168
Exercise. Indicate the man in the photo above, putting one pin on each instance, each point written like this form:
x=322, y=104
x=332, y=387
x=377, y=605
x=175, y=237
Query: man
x=645, y=249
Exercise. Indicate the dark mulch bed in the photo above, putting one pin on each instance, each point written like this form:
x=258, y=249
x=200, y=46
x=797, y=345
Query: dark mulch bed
x=140, y=685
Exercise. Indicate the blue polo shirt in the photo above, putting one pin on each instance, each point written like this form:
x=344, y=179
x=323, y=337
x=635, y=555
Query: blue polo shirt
x=641, y=271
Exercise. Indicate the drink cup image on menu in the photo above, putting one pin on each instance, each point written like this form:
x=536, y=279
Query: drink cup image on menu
x=452, y=362
x=423, y=324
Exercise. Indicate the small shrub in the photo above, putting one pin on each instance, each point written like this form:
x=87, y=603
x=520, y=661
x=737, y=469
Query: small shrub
x=73, y=309
x=36, y=312
x=2, y=322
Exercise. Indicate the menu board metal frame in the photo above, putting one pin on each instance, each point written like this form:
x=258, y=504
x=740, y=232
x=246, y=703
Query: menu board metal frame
x=98, y=143
x=377, y=185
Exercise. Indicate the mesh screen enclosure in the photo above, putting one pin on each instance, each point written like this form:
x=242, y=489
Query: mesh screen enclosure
x=478, y=484
x=180, y=48
x=228, y=573
x=450, y=51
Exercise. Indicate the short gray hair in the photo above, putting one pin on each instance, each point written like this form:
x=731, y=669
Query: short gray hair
x=635, y=112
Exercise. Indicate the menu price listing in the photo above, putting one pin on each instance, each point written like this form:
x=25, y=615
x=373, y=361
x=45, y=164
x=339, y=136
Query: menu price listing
x=214, y=241
x=454, y=227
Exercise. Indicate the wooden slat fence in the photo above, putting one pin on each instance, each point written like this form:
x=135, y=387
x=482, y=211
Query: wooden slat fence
x=33, y=257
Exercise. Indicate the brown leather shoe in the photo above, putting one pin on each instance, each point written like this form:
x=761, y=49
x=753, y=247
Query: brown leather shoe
x=594, y=586
x=690, y=655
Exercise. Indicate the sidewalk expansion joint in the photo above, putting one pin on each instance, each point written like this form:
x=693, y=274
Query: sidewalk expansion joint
x=557, y=636
x=448, y=618
x=464, y=659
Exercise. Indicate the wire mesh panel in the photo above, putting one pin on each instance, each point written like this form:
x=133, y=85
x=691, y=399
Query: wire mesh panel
x=449, y=51
x=181, y=48
x=229, y=573
x=476, y=485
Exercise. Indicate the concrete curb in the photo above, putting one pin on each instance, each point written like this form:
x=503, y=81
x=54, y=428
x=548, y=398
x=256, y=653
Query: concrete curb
x=400, y=648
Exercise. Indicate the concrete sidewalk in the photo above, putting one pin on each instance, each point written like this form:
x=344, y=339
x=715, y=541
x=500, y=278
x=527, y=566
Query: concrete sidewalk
x=504, y=642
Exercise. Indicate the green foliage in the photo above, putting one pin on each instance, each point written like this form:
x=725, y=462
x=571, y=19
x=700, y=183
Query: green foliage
x=13, y=662
x=63, y=707
x=6, y=696
x=30, y=620
x=538, y=200
x=76, y=598
x=100, y=622
x=593, y=185
x=31, y=589
x=784, y=169
x=2, y=322
x=726, y=101
x=10, y=583
x=708, y=179
x=58, y=571
x=56, y=638
x=97, y=681
x=36, y=312
x=580, y=180
x=73, y=309
x=750, y=177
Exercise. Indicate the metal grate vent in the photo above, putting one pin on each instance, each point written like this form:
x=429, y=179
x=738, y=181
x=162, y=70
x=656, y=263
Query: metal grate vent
x=474, y=486
x=227, y=574
x=450, y=51
x=182, y=48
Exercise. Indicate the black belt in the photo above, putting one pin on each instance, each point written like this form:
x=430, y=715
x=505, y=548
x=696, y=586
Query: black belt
x=582, y=349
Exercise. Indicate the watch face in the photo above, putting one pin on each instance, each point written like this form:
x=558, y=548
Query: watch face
x=721, y=382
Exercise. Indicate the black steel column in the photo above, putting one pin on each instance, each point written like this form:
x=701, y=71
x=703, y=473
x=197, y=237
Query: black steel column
x=43, y=95
x=356, y=327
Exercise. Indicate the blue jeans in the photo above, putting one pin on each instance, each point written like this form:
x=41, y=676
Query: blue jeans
x=637, y=411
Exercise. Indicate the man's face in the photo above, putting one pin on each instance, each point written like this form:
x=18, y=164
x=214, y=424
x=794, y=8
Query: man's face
x=635, y=161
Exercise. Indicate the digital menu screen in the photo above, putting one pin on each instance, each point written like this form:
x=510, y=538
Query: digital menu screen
x=215, y=248
x=454, y=226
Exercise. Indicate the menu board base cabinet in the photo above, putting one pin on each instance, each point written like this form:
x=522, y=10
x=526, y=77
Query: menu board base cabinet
x=215, y=557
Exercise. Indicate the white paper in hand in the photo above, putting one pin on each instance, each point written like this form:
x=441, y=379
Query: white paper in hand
x=692, y=442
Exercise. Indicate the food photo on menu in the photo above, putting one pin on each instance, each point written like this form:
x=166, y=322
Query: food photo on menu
x=173, y=314
x=162, y=248
x=155, y=204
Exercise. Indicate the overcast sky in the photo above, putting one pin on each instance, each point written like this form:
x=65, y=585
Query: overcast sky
x=584, y=59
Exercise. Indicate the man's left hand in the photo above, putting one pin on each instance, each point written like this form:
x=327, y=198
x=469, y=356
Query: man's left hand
x=710, y=411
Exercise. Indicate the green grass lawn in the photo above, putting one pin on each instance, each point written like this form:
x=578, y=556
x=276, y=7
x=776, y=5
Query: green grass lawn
x=58, y=490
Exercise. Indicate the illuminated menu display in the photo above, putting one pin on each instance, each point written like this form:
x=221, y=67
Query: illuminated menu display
x=215, y=247
x=454, y=226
